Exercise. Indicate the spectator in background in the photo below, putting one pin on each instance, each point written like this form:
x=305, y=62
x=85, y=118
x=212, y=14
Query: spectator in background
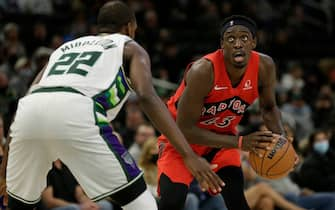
x=303, y=197
x=326, y=90
x=13, y=46
x=164, y=92
x=64, y=193
x=317, y=171
x=323, y=111
x=21, y=77
x=40, y=7
x=148, y=163
x=79, y=26
x=39, y=37
x=196, y=199
x=169, y=58
x=302, y=114
x=56, y=41
x=293, y=79
x=261, y=196
x=4, y=98
x=143, y=132
x=133, y=118
x=4, y=65
x=41, y=57
x=151, y=30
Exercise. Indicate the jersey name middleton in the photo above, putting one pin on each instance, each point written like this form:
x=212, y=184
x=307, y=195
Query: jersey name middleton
x=92, y=65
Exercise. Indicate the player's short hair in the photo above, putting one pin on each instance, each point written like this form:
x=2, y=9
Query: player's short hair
x=113, y=15
x=238, y=20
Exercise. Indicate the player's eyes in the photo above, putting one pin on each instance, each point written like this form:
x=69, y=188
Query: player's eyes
x=230, y=39
x=244, y=38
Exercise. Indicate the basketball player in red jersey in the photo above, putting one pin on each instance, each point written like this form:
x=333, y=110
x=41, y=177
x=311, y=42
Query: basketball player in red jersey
x=209, y=104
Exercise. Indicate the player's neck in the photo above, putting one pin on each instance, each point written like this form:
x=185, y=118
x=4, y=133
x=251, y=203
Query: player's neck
x=235, y=74
x=104, y=34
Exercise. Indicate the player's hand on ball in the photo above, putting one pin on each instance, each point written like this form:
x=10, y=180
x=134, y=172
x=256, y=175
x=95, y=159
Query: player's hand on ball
x=256, y=141
x=276, y=162
x=203, y=173
x=296, y=157
x=289, y=138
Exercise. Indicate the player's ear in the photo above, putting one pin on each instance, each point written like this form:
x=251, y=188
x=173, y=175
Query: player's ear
x=124, y=30
x=131, y=30
x=221, y=42
x=254, y=42
x=127, y=30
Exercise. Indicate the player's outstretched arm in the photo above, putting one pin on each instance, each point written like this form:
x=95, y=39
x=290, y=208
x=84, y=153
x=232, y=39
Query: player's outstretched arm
x=152, y=105
x=199, y=82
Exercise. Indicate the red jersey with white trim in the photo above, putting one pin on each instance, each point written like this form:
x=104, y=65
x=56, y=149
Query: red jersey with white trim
x=225, y=105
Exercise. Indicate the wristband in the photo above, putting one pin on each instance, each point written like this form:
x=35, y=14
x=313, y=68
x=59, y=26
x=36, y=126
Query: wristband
x=240, y=140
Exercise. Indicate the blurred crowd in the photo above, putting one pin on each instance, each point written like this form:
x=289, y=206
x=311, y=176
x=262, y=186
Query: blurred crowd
x=299, y=35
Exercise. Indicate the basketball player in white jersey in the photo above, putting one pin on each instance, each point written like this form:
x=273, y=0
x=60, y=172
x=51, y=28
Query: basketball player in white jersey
x=67, y=112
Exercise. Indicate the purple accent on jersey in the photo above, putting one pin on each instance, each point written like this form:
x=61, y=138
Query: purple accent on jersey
x=102, y=100
x=121, y=152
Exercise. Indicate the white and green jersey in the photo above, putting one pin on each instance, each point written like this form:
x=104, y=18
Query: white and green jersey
x=93, y=66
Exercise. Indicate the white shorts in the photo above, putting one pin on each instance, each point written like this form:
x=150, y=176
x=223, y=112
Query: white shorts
x=67, y=126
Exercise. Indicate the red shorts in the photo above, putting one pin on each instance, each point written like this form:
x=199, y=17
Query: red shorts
x=171, y=163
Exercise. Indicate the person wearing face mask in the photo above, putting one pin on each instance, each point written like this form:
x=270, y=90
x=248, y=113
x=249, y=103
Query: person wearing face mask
x=317, y=171
x=321, y=147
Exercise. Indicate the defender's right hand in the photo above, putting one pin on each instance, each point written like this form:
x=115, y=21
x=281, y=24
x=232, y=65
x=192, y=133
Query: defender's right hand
x=256, y=141
x=203, y=173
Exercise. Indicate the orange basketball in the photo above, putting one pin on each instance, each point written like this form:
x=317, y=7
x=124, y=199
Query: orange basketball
x=275, y=163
